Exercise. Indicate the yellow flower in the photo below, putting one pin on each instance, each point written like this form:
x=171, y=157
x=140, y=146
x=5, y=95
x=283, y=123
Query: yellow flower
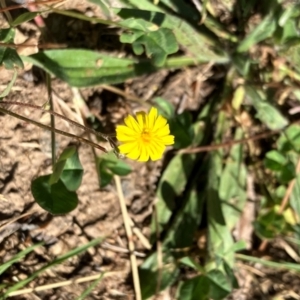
x=145, y=136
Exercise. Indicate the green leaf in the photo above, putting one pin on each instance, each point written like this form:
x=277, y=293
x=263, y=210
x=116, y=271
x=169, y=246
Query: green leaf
x=103, y=4
x=108, y=165
x=194, y=39
x=158, y=42
x=295, y=196
x=270, y=225
x=86, y=68
x=181, y=128
x=60, y=164
x=25, y=17
x=292, y=54
x=274, y=160
x=165, y=108
x=289, y=33
x=7, y=35
x=214, y=285
x=151, y=277
x=10, y=85
x=266, y=112
x=263, y=30
x=196, y=288
x=190, y=262
x=171, y=185
x=220, y=286
x=72, y=172
x=234, y=176
x=290, y=139
x=220, y=238
x=182, y=231
x=68, y=169
x=287, y=173
x=54, y=198
x=242, y=63
x=8, y=56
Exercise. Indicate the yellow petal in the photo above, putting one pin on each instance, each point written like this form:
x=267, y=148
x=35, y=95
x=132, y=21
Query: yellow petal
x=125, y=138
x=163, y=131
x=131, y=122
x=152, y=116
x=134, y=153
x=128, y=147
x=154, y=153
x=141, y=119
x=125, y=130
x=144, y=153
x=125, y=134
x=157, y=146
x=168, y=139
x=159, y=123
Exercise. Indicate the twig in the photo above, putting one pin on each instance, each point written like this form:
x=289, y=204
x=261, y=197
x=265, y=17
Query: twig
x=22, y=104
x=119, y=249
x=61, y=283
x=52, y=119
x=139, y=234
x=81, y=139
x=251, y=269
x=134, y=267
x=228, y=144
x=16, y=219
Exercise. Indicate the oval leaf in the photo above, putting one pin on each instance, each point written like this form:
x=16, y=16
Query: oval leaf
x=55, y=198
x=83, y=68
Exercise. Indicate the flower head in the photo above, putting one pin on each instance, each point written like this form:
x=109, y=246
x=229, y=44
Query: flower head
x=144, y=136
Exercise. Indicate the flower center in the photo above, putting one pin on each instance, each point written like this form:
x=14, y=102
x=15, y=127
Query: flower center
x=146, y=136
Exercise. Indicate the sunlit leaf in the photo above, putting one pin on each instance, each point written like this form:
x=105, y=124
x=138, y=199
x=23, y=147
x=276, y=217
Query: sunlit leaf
x=232, y=190
x=165, y=108
x=195, y=41
x=86, y=68
x=290, y=139
x=263, y=30
x=266, y=112
x=157, y=42
x=220, y=238
x=25, y=17
x=274, y=160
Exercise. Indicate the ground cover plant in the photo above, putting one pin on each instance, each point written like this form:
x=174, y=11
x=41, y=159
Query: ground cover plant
x=150, y=149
